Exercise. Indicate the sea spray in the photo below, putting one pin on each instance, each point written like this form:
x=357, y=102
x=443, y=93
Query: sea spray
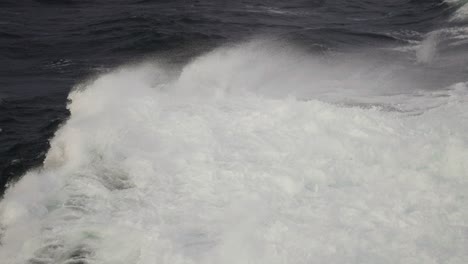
x=239, y=159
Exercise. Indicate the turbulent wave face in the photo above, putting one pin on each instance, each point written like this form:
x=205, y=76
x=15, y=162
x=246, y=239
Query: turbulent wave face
x=248, y=154
x=348, y=146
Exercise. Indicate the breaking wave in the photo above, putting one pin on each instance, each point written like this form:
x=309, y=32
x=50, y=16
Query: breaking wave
x=253, y=153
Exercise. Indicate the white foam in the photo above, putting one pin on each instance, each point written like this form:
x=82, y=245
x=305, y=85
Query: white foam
x=234, y=161
x=462, y=12
x=428, y=48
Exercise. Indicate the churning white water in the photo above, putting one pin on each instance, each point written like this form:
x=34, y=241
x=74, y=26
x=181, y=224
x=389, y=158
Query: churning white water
x=248, y=154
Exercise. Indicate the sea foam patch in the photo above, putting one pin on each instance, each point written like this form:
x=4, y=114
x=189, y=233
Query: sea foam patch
x=239, y=157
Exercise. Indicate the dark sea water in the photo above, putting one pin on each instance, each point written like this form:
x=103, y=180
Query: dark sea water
x=233, y=131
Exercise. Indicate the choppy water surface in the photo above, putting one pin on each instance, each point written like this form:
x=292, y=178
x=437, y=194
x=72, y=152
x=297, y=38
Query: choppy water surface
x=220, y=132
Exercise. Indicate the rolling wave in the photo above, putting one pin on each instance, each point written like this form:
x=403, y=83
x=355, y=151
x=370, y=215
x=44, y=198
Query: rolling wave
x=251, y=153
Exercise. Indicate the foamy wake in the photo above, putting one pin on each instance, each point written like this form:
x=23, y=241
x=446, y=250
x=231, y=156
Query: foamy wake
x=234, y=160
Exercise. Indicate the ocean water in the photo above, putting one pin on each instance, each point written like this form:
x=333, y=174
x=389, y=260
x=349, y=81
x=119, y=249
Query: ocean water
x=217, y=132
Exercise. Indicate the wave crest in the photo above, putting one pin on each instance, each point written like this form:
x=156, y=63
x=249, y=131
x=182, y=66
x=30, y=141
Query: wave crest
x=232, y=159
